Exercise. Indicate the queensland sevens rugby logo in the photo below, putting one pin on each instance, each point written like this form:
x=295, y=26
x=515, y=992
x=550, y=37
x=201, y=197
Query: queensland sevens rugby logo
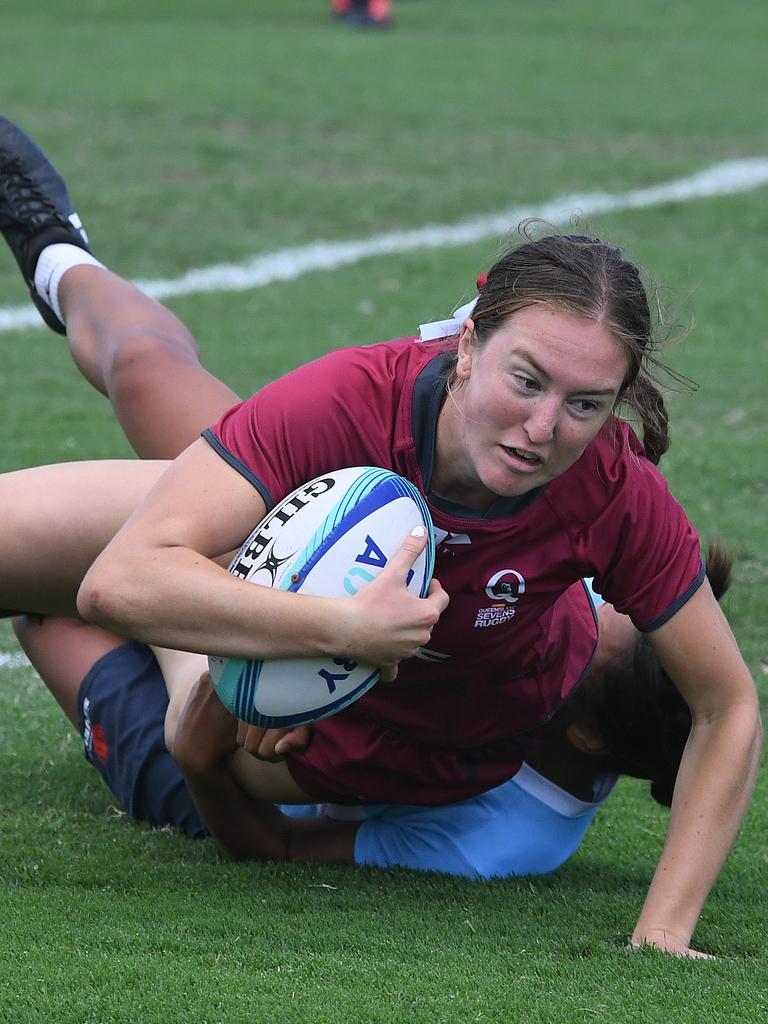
x=506, y=585
x=504, y=588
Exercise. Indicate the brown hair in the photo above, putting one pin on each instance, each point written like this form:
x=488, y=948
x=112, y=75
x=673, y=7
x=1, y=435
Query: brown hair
x=591, y=279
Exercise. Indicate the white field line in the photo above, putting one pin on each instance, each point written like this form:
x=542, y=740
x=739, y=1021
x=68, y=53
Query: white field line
x=286, y=264
x=13, y=659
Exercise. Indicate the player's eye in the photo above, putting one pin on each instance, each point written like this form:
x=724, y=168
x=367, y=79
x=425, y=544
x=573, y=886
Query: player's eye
x=584, y=406
x=525, y=383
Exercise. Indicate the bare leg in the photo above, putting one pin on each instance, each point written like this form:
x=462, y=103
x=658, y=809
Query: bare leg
x=63, y=652
x=181, y=670
x=141, y=356
x=268, y=781
x=56, y=520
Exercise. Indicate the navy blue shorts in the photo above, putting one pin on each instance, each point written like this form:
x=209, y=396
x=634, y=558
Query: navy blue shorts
x=122, y=703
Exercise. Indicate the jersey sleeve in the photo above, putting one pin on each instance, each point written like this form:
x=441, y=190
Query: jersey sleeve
x=641, y=547
x=306, y=423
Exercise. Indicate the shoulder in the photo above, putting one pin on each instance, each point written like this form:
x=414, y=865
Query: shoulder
x=358, y=373
x=627, y=529
x=344, y=409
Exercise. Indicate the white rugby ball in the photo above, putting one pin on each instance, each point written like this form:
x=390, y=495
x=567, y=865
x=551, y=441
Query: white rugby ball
x=329, y=538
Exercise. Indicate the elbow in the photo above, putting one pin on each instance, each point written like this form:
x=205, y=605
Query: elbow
x=89, y=599
x=102, y=597
x=753, y=727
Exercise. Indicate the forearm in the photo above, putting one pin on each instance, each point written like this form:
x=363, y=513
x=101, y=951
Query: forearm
x=249, y=829
x=174, y=596
x=157, y=581
x=177, y=598
x=245, y=829
x=713, y=790
x=203, y=740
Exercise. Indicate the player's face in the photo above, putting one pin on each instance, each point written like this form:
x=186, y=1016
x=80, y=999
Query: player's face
x=528, y=402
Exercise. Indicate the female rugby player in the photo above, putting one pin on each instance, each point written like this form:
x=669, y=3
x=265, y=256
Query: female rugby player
x=510, y=430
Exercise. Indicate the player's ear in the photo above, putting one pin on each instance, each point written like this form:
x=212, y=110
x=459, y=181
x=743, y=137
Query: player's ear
x=584, y=735
x=465, y=349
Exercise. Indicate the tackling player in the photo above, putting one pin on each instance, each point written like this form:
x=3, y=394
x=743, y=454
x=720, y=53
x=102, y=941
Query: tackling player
x=626, y=717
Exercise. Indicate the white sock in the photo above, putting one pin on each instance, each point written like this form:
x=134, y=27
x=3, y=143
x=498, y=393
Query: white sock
x=53, y=262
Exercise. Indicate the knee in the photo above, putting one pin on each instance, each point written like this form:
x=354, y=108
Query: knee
x=26, y=628
x=145, y=358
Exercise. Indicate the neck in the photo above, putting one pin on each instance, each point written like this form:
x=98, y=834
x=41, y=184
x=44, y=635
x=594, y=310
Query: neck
x=451, y=478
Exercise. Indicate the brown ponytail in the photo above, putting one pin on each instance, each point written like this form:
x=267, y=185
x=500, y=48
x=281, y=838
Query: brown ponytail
x=647, y=401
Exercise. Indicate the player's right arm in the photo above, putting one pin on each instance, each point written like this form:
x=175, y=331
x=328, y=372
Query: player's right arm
x=157, y=581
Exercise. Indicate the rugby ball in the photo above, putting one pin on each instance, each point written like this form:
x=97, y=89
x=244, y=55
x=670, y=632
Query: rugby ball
x=329, y=538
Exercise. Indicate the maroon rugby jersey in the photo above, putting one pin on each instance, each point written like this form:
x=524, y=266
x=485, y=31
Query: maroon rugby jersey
x=519, y=631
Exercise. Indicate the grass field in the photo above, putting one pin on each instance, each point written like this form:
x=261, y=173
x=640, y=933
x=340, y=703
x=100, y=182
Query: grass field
x=195, y=133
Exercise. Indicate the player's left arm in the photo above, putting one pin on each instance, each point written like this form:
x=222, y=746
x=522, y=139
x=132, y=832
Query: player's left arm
x=247, y=829
x=717, y=773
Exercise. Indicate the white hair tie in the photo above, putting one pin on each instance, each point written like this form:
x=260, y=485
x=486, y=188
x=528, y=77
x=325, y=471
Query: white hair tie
x=447, y=328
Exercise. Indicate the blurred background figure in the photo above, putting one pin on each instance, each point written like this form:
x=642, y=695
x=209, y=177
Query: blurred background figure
x=364, y=13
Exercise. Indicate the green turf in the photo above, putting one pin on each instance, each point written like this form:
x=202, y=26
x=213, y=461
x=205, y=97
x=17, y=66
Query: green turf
x=193, y=132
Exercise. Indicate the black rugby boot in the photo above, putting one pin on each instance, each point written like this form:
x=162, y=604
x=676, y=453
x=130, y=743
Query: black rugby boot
x=35, y=209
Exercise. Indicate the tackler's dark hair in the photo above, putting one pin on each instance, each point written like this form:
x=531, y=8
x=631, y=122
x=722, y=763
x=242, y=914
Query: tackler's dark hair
x=641, y=715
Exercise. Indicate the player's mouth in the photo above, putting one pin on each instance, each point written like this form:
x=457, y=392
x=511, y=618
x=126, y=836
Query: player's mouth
x=523, y=459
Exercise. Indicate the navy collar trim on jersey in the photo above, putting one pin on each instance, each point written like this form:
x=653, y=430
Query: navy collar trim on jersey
x=428, y=398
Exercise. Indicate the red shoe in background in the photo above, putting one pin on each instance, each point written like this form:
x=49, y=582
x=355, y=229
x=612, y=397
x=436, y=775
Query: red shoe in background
x=367, y=13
